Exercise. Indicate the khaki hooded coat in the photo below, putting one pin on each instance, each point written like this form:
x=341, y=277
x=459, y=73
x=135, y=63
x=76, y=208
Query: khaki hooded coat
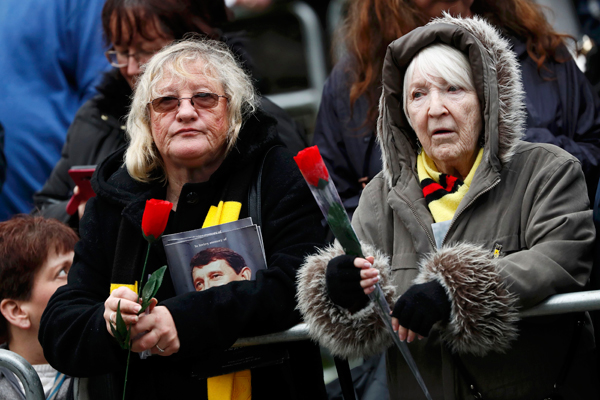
x=530, y=199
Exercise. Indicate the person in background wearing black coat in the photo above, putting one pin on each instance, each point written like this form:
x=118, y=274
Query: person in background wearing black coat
x=136, y=30
x=197, y=138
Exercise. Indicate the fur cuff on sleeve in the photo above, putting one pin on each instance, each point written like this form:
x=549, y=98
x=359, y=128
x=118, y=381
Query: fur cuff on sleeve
x=346, y=335
x=484, y=312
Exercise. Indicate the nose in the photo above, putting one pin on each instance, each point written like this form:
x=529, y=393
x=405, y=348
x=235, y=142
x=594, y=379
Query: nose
x=186, y=110
x=437, y=108
x=133, y=66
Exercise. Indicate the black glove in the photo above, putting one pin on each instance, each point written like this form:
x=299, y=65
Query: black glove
x=422, y=306
x=343, y=283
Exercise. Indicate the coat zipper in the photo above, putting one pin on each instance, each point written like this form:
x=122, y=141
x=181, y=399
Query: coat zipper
x=493, y=185
x=414, y=211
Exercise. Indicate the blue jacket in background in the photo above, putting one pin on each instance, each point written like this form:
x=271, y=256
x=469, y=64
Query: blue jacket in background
x=562, y=109
x=51, y=56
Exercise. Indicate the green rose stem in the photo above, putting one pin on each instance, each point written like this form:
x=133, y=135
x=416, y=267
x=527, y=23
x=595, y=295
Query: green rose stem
x=129, y=330
x=154, y=222
x=315, y=173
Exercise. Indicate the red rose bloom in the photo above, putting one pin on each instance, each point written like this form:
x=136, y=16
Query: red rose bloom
x=154, y=220
x=312, y=166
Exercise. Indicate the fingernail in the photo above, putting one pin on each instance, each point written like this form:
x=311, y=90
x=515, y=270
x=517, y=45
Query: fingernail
x=137, y=308
x=376, y=279
x=367, y=264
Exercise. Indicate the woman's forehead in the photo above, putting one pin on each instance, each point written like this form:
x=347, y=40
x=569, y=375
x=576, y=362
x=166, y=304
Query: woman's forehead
x=192, y=76
x=420, y=77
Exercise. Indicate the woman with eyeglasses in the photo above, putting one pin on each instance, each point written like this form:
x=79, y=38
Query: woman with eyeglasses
x=198, y=139
x=135, y=30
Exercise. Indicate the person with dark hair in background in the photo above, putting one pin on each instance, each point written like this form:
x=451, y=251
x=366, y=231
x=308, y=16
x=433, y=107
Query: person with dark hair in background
x=562, y=107
x=35, y=257
x=218, y=266
x=135, y=30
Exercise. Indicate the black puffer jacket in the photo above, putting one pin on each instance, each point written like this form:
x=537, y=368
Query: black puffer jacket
x=73, y=331
x=99, y=129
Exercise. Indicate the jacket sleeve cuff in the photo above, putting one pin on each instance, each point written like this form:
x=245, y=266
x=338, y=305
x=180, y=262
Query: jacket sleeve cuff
x=345, y=334
x=484, y=313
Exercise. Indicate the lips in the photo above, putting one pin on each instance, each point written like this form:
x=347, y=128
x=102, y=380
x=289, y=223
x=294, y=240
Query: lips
x=442, y=131
x=186, y=130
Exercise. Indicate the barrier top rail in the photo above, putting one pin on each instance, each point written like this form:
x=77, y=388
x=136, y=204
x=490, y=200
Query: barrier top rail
x=557, y=304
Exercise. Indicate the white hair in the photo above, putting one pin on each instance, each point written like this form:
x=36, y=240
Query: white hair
x=439, y=61
x=177, y=62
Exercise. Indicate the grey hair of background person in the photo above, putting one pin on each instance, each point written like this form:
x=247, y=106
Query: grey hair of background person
x=174, y=62
x=439, y=61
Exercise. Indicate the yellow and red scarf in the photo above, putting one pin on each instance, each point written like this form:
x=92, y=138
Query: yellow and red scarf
x=443, y=193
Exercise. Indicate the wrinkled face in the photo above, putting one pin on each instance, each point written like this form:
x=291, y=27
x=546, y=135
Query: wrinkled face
x=434, y=8
x=135, y=50
x=217, y=273
x=51, y=276
x=188, y=137
x=447, y=121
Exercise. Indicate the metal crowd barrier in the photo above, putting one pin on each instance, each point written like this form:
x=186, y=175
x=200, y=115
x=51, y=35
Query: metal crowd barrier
x=25, y=372
x=557, y=304
x=312, y=41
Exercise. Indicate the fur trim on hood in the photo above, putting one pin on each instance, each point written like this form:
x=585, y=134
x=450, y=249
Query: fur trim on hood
x=346, y=335
x=497, y=81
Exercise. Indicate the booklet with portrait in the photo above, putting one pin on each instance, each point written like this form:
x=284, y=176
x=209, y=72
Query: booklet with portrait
x=215, y=256
x=203, y=258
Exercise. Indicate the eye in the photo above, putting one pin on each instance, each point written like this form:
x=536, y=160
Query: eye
x=216, y=275
x=199, y=285
x=452, y=88
x=165, y=104
x=147, y=53
x=63, y=273
x=417, y=95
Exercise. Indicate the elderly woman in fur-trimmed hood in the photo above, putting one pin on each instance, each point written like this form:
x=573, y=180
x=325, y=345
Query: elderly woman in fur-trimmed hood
x=465, y=226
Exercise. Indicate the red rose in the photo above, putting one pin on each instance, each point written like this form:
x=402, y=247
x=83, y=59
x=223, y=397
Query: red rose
x=154, y=221
x=312, y=166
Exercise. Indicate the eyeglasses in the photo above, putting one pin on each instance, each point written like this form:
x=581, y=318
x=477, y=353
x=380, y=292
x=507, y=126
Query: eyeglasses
x=200, y=101
x=120, y=59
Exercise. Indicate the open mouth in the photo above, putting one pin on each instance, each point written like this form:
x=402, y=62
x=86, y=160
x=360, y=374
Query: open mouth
x=441, y=131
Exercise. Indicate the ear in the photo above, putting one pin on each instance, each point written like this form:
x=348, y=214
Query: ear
x=15, y=314
x=246, y=273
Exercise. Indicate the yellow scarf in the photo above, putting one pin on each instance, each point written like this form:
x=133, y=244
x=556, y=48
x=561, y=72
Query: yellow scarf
x=443, y=193
x=237, y=385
